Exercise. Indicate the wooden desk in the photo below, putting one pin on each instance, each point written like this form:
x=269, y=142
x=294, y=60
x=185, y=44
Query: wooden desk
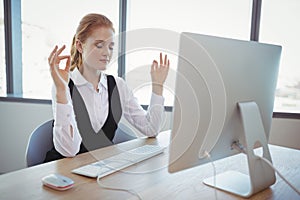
x=149, y=178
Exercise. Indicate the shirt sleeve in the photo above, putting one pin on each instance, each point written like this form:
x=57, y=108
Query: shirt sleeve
x=66, y=137
x=148, y=122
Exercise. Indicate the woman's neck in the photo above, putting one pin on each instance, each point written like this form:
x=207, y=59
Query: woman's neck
x=92, y=76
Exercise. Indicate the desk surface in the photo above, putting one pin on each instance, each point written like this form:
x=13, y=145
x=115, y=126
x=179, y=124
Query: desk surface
x=150, y=178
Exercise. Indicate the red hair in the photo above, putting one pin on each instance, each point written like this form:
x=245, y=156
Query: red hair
x=86, y=26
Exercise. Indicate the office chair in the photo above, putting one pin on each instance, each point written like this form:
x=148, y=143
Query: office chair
x=40, y=142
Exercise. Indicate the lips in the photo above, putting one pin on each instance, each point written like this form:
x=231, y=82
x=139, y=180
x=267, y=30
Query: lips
x=104, y=60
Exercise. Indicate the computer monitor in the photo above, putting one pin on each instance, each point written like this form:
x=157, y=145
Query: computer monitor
x=224, y=95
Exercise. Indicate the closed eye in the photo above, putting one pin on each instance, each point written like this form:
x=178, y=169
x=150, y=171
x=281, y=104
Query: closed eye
x=102, y=43
x=111, y=46
x=99, y=45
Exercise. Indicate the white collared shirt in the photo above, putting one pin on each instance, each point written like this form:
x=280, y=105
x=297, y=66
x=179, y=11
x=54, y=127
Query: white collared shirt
x=148, y=122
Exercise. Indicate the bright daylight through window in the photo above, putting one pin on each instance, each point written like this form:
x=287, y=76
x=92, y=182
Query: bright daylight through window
x=280, y=25
x=44, y=25
x=231, y=18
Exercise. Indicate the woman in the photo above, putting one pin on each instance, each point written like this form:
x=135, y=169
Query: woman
x=88, y=104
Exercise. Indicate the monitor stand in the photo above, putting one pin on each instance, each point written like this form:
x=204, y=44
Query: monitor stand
x=261, y=175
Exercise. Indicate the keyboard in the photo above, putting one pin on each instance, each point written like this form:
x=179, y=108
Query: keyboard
x=120, y=161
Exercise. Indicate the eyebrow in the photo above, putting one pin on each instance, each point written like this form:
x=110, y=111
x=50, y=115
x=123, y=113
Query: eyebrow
x=101, y=41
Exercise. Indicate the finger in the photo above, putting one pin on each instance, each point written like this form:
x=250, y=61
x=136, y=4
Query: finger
x=166, y=60
x=52, y=53
x=52, y=60
x=55, y=49
x=68, y=64
x=63, y=57
x=61, y=49
x=161, y=59
x=60, y=58
x=168, y=64
x=154, y=65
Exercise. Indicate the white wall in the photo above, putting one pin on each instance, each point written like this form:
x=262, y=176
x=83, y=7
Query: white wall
x=18, y=120
x=285, y=132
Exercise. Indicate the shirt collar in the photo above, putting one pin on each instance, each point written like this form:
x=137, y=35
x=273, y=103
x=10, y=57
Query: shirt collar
x=79, y=80
x=103, y=81
x=77, y=77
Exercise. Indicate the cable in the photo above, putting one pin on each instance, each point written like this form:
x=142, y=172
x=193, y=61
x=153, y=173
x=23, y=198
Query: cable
x=112, y=164
x=239, y=147
x=279, y=174
x=131, y=191
x=215, y=173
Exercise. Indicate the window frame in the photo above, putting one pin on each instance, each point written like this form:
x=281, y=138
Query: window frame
x=13, y=39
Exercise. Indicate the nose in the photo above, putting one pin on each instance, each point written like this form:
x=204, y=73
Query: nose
x=105, y=50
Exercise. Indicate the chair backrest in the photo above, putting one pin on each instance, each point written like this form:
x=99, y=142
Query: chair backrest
x=40, y=142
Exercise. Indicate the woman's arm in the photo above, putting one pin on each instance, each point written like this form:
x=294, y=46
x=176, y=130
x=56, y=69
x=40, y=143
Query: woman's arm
x=148, y=122
x=66, y=137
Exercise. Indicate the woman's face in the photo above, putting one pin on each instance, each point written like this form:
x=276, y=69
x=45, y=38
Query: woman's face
x=97, y=49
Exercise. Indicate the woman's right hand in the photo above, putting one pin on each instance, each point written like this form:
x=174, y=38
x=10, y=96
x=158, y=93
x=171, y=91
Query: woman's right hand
x=59, y=75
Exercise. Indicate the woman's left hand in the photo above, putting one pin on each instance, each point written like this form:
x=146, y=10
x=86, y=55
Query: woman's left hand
x=159, y=74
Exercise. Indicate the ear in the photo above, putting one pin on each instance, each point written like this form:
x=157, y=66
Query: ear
x=79, y=46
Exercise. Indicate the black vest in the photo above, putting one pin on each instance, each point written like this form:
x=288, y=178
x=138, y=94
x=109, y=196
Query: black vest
x=90, y=139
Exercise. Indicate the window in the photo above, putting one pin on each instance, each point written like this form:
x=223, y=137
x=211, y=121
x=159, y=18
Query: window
x=280, y=25
x=2, y=52
x=47, y=23
x=231, y=18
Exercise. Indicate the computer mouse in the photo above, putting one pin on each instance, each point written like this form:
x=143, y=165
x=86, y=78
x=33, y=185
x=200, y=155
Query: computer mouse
x=57, y=182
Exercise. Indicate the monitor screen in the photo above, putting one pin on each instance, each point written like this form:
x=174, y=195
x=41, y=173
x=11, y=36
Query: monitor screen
x=214, y=75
